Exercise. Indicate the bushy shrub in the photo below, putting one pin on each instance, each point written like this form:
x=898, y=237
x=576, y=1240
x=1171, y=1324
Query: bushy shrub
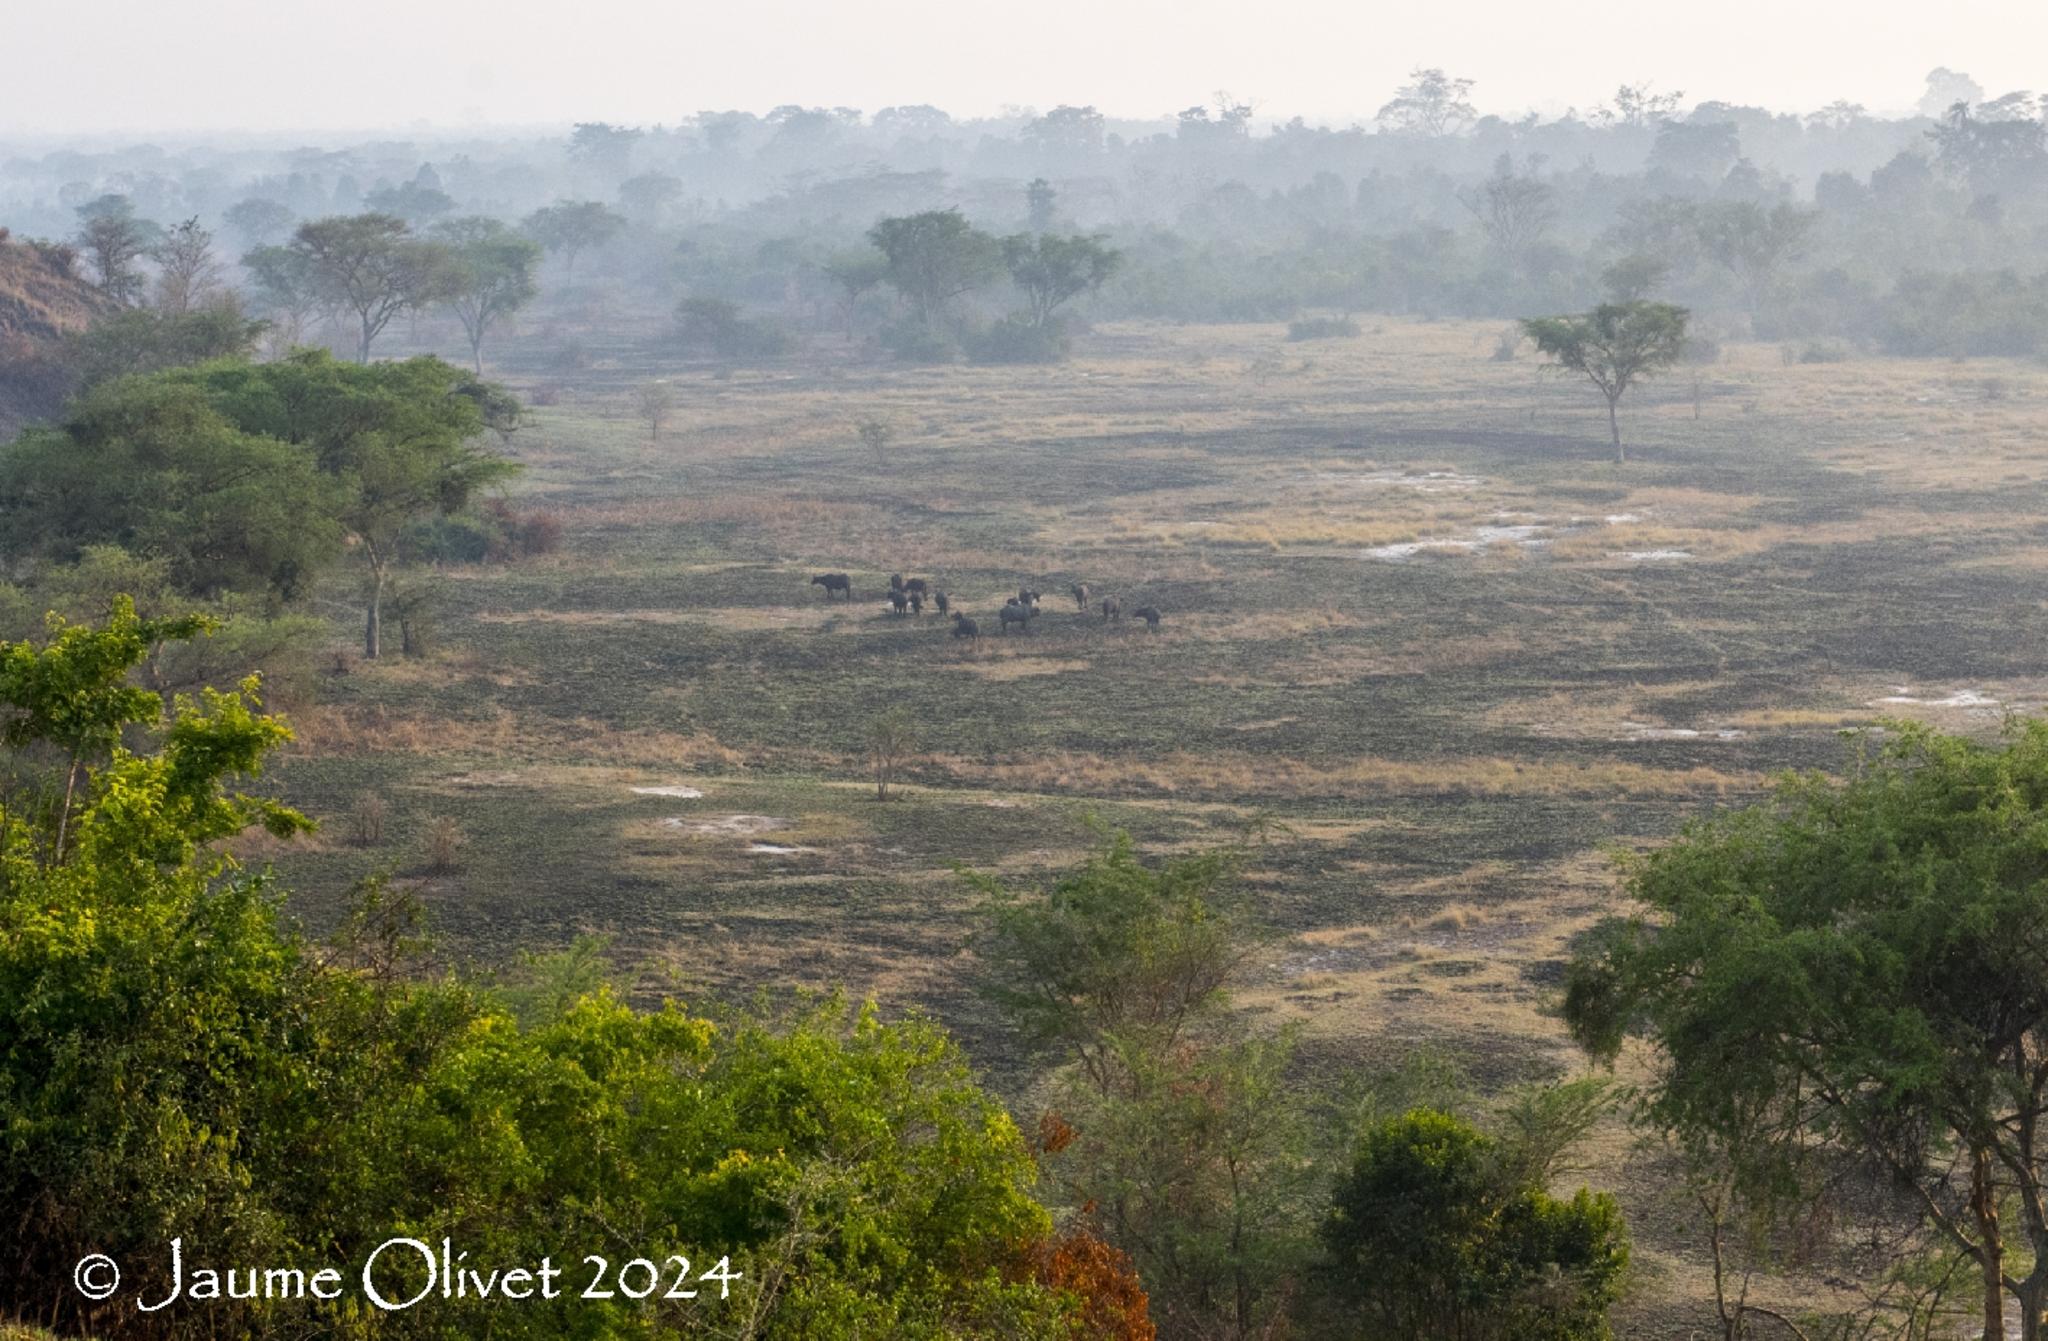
x=495, y=532
x=915, y=341
x=1325, y=328
x=717, y=326
x=1432, y=1233
x=1018, y=339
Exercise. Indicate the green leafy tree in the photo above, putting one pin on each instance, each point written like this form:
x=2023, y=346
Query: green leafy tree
x=147, y=340
x=1174, y=1132
x=1431, y=1234
x=373, y=267
x=493, y=276
x=572, y=227
x=150, y=465
x=1615, y=346
x=400, y=441
x=1051, y=269
x=285, y=289
x=1117, y=953
x=1853, y=969
x=934, y=257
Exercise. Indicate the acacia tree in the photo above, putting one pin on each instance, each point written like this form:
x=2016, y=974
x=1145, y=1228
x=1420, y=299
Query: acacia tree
x=401, y=441
x=1859, y=968
x=114, y=240
x=491, y=276
x=1431, y=103
x=1614, y=346
x=657, y=400
x=572, y=227
x=188, y=275
x=1052, y=269
x=935, y=257
x=371, y=265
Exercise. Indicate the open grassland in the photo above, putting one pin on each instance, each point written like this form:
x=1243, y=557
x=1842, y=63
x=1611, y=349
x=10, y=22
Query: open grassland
x=1413, y=618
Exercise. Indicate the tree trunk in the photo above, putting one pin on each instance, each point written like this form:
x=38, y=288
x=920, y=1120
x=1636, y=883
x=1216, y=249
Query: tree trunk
x=363, y=345
x=373, y=616
x=476, y=350
x=1614, y=426
x=1991, y=1248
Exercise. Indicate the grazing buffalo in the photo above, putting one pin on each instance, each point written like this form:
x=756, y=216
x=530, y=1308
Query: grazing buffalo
x=1112, y=608
x=916, y=602
x=940, y=599
x=895, y=581
x=1080, y=592
x=1148, y=613
x=832, y=582
x=917, y=586
x=963, y=627
x=1026, y=596
x=899, y=601
x=1016, y=612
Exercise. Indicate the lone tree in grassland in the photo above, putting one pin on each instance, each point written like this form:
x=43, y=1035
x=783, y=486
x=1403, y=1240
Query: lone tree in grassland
x=1615, y=345
x=657, y=399
x=875, y=435
x=891, y=738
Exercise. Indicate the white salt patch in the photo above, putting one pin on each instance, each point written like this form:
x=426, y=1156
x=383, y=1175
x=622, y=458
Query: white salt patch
x=728, y=825
x=1962, y=698
x=680, y=793
x=1520, y=533
x=1651, y=555
x=771, y=850
x=1637, y=731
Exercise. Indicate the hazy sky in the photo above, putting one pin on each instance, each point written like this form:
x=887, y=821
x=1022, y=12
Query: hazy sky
x=147, y=66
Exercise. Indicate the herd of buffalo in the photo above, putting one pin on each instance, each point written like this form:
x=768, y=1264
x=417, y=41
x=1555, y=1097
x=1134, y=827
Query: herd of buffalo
x=911, y=595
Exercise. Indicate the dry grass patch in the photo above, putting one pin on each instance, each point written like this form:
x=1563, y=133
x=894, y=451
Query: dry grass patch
x=1004, y=668
x=1225, y=775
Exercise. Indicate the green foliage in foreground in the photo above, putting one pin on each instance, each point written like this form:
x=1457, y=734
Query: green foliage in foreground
x=1434, y=1233
x=1855, y=972
x=174, y=1062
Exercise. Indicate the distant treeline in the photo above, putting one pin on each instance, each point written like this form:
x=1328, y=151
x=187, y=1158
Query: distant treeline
x=1923, y=234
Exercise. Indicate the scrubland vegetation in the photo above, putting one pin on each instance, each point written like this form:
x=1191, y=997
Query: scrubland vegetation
x=1513, y=812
